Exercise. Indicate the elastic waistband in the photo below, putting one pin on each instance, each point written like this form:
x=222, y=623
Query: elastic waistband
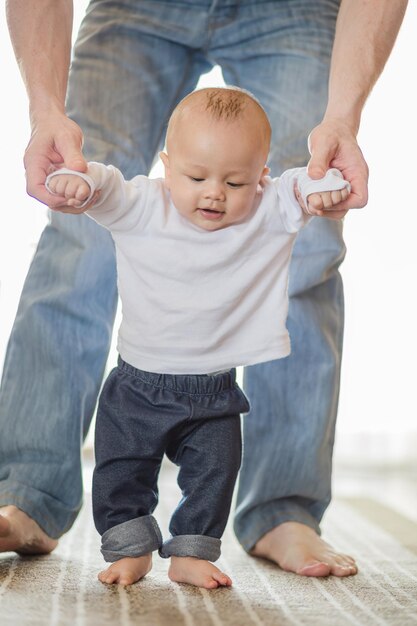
x=185, y=383
x=211, y=5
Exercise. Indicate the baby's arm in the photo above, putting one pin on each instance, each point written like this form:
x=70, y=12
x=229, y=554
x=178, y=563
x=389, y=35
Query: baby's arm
x=75, y=189
x=321, y=197
x=102, y=192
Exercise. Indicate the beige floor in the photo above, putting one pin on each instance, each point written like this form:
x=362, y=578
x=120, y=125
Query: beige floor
x=62, y=589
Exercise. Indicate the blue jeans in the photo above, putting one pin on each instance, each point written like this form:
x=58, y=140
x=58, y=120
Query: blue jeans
x=195, y=421
x=132, y=63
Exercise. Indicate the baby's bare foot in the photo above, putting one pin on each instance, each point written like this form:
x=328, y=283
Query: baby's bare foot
x=297, y=548
x=127, y=571
x=20, y=533
x=197, y=572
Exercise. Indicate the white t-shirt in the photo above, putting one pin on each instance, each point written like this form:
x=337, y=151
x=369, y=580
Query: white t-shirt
x=197, y=301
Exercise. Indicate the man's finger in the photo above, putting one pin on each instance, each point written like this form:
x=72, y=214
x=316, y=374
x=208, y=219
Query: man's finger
x=321, y=156
x=35, y=183
x=70, y=148
x=75, y=162
x=318, y=164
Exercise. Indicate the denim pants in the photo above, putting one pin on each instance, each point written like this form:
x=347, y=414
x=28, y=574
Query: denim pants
x=132, y=63
x=195, y=421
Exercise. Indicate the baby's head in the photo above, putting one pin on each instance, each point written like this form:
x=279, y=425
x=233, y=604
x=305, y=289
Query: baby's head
x=217, y=146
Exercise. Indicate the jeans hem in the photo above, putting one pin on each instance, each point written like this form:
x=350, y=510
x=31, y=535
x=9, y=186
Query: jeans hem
x=134, y=538
x=249, y=532
x=197, y=546
x=24, y=498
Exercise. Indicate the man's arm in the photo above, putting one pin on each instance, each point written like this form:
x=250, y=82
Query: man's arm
x=40, y=32
x=365, y=35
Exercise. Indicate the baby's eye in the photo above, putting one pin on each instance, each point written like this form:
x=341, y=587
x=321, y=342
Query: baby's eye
x=196, y=180
x=235, y=185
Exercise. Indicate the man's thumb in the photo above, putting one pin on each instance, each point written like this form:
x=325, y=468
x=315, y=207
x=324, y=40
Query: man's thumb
x=75, y=161
x=316, y=167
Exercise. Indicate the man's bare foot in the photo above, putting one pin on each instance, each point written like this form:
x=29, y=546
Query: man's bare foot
x=187, y=569
x=127, y=571
x=20, y=533
x=297, y=548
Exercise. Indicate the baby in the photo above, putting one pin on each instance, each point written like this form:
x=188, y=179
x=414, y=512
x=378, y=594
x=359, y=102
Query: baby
x=202, y=257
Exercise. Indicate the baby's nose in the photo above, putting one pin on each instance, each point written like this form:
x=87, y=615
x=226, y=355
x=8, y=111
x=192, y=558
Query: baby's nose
x=215, y=192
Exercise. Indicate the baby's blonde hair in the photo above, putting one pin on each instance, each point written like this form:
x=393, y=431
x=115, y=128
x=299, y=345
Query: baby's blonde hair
x=226, y=104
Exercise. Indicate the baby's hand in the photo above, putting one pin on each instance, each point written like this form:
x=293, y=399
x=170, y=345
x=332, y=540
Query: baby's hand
x=324, y=204
x=74, y=189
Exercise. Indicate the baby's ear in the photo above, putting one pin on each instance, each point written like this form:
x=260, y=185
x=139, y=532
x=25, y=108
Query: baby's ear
x=165, y=160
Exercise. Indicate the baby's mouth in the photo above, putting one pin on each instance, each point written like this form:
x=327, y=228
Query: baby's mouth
x=210, y=213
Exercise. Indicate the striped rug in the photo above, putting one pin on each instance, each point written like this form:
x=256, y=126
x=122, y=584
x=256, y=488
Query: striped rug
x=62, y=588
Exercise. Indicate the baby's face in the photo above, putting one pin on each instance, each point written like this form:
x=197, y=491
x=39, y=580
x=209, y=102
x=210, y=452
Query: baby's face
x=213, y=171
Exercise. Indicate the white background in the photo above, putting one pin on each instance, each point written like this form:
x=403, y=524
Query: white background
x=378, y=407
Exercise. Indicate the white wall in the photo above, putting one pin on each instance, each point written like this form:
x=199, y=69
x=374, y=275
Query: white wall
x=379, y=369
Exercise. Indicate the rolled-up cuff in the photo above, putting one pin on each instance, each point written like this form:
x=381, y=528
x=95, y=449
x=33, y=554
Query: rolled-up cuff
x=133, y=538
x=198, y=546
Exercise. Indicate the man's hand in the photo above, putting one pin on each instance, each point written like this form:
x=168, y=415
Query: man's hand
x=56, y=142
x=333, y=144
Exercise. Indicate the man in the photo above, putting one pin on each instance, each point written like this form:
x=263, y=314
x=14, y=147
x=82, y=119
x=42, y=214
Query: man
x=132, y=63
